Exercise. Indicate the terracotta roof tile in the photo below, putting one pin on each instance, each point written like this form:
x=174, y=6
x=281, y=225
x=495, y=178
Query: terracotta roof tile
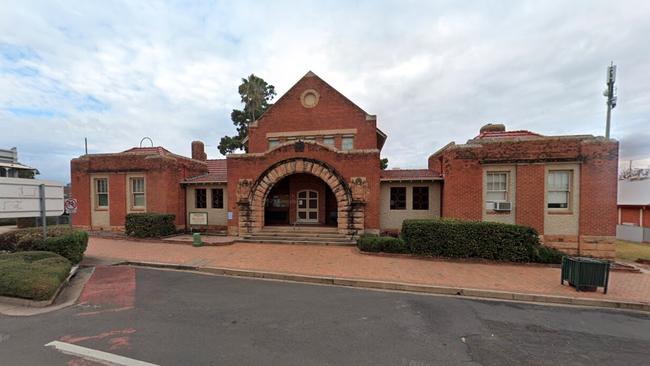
x=148, y=150
x=217, y=173
x=409, y=174
x=507, y=134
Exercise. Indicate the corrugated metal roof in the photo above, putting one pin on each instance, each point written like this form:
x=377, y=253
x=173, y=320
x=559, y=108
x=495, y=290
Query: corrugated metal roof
x=409, y=174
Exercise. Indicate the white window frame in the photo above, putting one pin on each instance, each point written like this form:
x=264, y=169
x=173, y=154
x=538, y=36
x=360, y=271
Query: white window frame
x=330, y=138
x=273, y=143
x=567, y=191
x=347, y=138
x=134, y=193
x=98, y=193
x=504, y=191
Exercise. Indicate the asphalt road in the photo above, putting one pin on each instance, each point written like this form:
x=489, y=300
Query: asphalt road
x=190, y=319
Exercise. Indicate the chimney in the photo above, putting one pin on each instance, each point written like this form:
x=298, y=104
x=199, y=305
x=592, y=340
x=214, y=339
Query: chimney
x=198, y=151
x=493, y=127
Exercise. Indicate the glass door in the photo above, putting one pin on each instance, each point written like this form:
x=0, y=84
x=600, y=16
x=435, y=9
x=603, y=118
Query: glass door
x=307, y=209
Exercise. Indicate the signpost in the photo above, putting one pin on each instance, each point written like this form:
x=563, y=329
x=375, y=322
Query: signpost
x=70, y=206
x=30, y=198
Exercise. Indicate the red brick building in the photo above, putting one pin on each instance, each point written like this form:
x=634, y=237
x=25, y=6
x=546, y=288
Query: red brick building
x=313, y=161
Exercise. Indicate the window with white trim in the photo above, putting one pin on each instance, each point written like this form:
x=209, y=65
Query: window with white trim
x=347, y=142
x=137, y=192
x=558, y=184
x=496, y=187
x=101, y=193
x=329, y=140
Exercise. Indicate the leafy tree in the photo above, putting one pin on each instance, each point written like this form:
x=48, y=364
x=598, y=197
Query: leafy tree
x=383, y=163
x=255, y=95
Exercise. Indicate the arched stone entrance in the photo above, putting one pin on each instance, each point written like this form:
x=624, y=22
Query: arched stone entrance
x=350, y=197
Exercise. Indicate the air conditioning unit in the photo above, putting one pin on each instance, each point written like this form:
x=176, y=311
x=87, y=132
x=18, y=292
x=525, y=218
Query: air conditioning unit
x=489, y=205
x=503, y=206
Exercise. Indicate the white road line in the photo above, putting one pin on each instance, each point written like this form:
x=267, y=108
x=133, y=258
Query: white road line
x=94, y=355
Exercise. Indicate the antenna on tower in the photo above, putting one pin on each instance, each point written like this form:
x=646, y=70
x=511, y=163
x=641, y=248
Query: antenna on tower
x=610, y=93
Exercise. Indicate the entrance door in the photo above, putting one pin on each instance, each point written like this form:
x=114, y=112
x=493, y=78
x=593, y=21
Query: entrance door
x=307, y=206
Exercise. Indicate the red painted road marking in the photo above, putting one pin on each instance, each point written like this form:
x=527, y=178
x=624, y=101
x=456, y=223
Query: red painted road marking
x=111, y=288
x=121, y=333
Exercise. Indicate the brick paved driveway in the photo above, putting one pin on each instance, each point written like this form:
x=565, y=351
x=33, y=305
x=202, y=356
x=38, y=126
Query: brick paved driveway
x=347, y=262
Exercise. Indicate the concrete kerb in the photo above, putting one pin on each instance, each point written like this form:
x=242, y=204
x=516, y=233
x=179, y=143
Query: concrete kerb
x=67, y=295
x=404, y=287
x=39, y=303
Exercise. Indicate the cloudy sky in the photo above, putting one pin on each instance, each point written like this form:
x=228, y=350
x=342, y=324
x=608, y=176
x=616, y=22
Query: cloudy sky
x=433, y=72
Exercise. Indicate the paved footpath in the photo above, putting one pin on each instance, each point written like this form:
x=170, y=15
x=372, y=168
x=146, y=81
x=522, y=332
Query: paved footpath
x=349, y=263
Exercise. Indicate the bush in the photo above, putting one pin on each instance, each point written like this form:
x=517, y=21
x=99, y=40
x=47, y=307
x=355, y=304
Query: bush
x=475, y=239
x=32, y=275
x=70, y=246
x=26, y=239
x=150, y=225
x=388, y=244
x=549, y=255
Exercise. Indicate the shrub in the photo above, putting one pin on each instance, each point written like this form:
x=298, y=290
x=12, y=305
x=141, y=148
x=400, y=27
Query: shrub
x=549, y=255
x=26, y=239
x=32, y=275
x=388, y=244
x=70, y=246
x=150, y=225
x=474, y=239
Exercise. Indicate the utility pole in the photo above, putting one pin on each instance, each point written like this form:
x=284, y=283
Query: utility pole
x=610, y=94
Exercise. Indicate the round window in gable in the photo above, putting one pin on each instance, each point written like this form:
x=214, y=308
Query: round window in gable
x=309, y=98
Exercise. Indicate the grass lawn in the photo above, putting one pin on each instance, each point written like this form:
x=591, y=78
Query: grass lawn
x=629, y=251
x=32, y=275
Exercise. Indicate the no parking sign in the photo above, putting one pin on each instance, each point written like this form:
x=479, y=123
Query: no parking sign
x=70, y=205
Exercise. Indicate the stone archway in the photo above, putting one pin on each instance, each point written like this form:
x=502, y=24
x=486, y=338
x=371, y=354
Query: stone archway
x=350, y=198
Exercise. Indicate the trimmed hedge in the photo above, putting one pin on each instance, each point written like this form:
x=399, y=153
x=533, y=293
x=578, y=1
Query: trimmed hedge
x=26, y=239
x=150, y=225
x=71, y=246
x=32, y=275
x=62, y=240
x=476, y=239
x=387, y=244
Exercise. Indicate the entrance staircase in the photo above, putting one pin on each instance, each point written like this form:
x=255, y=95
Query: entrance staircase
x=315, y=235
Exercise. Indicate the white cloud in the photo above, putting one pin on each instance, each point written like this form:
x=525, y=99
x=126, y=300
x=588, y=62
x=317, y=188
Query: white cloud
x=119, y=71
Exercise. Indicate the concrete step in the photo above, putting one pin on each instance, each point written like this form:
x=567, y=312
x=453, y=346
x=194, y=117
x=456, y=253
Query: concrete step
x=293, y=241
x=292, y=229
x=300, y=234
x=298, y=238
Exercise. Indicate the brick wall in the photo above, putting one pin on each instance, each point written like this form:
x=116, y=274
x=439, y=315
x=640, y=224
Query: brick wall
x=347, y=164
x=117, y=199
x=529, y=203
x=163, y=190
x=462, y=194
x=597, y=160
x=599, y=183
x=333, y=111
